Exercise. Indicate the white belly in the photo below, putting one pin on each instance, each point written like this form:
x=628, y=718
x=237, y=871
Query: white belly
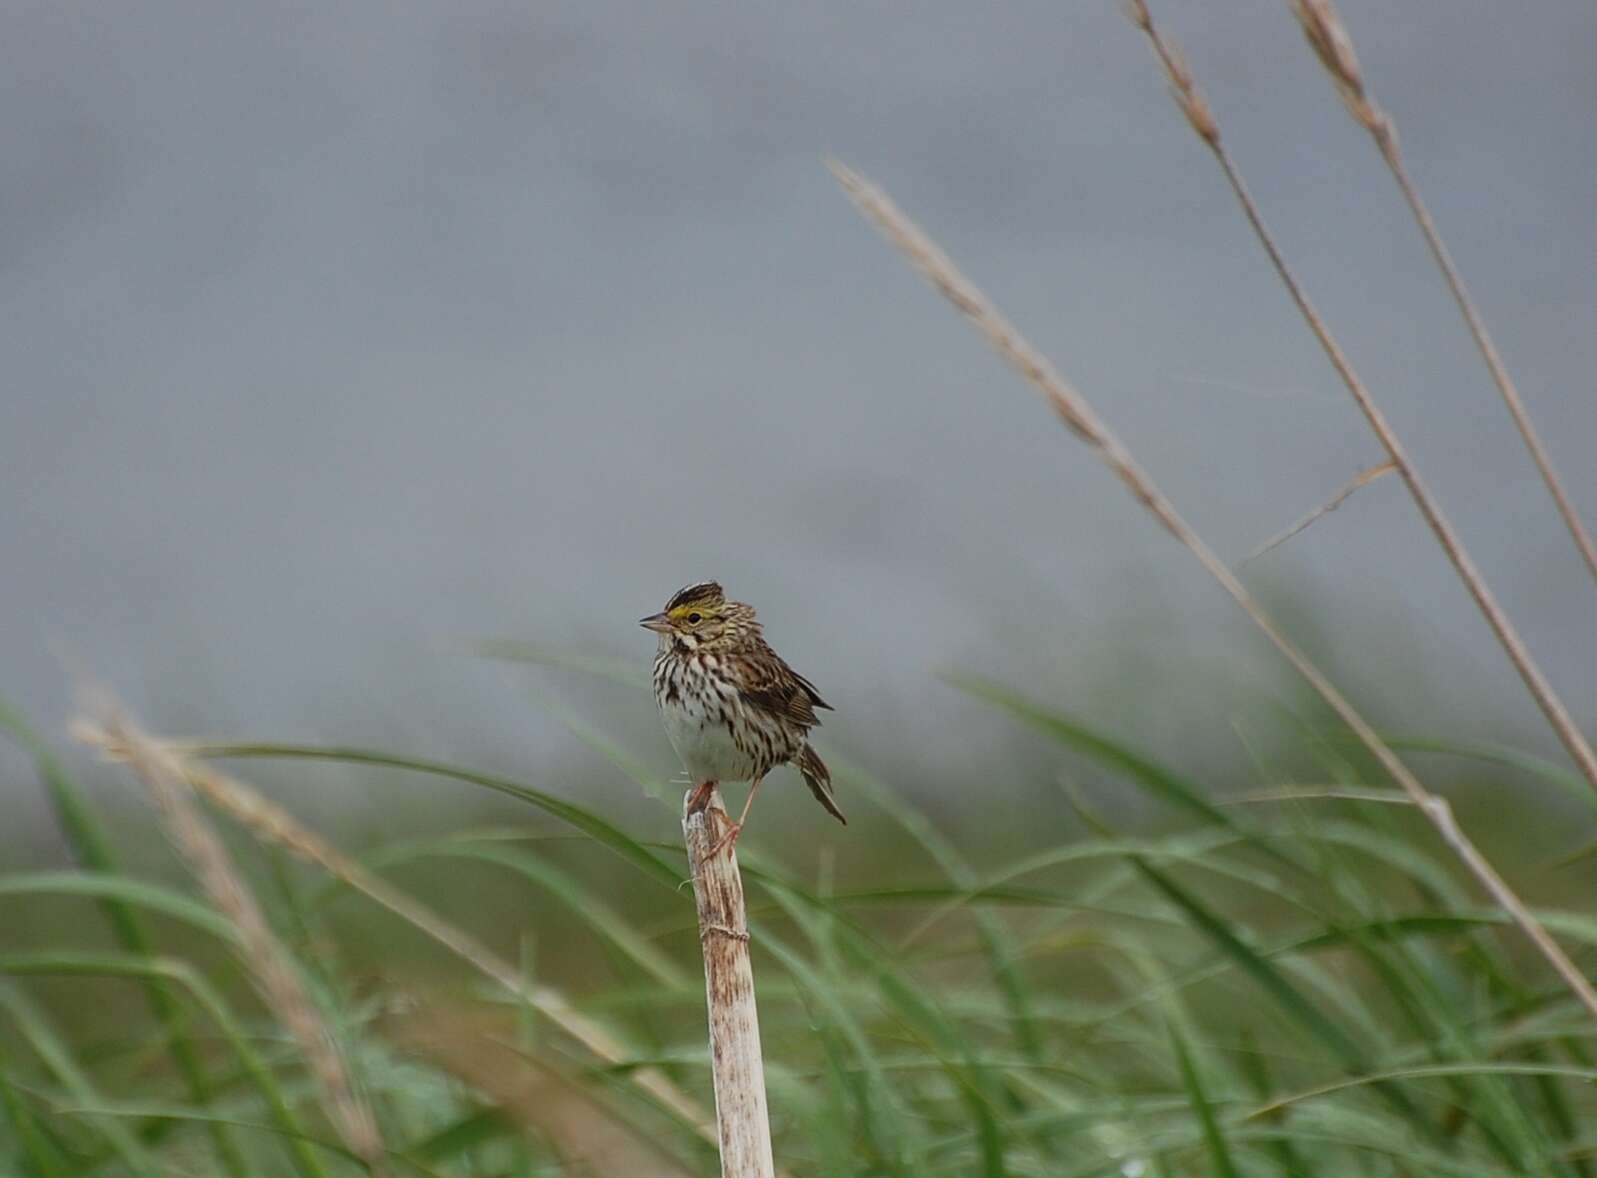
x=704, y=744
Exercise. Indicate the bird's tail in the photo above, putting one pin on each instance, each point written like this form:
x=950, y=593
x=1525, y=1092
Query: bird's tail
x=819, y=778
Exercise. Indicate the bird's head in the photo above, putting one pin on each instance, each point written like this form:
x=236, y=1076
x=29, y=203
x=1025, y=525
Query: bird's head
x=700, y=616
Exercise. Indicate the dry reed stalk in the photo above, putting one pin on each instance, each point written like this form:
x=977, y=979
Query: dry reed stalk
x=1329, y=38
x=735, y=1061
x=1362, y=479
x=270, y=823
x=267, y=962
x=1199, y=115
x=1081, y=419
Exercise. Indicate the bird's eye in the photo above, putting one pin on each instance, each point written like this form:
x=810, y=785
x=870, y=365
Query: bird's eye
x=694, y=619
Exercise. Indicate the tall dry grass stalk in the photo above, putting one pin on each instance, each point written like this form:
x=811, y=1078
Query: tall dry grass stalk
x=266, y=961
x=1201, y=118
x=272, y=824
x=735, y=1060
x=1078, y=415
x=1328, y=36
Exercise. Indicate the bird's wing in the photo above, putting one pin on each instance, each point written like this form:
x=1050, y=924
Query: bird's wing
x=809, y=690
x=771, y=685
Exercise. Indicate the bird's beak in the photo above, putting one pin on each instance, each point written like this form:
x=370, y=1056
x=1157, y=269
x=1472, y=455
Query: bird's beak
x=659, y=623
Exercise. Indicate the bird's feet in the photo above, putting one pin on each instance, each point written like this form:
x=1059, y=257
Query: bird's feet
x=727, y=841
x=700, y=797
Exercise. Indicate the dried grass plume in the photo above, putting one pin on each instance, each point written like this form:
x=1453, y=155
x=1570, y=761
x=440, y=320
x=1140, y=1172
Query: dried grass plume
x=268, y=964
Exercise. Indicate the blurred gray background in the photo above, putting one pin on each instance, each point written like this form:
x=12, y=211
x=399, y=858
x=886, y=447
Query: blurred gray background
x=336, y=337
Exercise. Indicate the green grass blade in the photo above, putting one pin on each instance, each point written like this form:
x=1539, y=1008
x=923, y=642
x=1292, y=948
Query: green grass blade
x=91, y=846
x=1256, y=1067
x=1429, y=1071
x=882, y=1118
x=1161, y=782
x=595, y=912
x=124, y=891
x=58, y=1059
x=601, y=831
x=142, y=1109
x=1213, y=1137
x=1551, y=772
x=1003, y=957
x=919, y=1012
x=1560, y=1117
x=180, y=974
x=44, y=1160
x=460, y=1136
x=1297, y=1006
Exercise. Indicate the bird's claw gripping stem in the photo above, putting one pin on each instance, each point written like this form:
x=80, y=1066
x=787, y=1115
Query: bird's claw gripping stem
x=727, y=840
x=700, y=797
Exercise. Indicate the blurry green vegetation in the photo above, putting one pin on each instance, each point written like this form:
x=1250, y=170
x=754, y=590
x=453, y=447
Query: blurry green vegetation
x=1293, y=980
